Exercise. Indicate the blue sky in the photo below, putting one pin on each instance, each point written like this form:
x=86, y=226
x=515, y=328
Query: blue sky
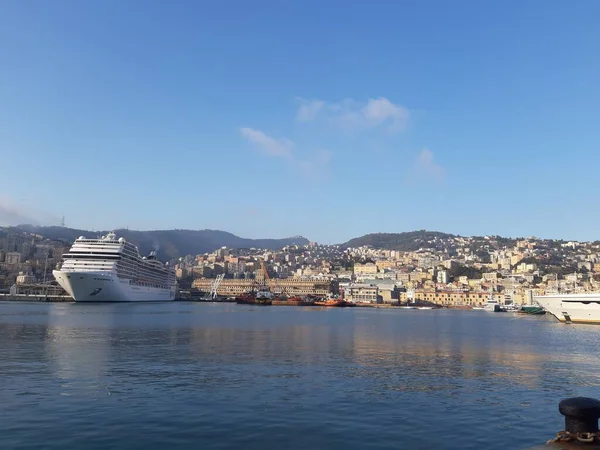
x=329, y=119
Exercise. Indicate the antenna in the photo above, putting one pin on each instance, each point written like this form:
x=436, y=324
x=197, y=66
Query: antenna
x=62, y=222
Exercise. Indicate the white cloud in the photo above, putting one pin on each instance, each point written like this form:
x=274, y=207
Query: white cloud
x=311, y=163
x=426, y=165
x=309, y=109
x=267, y=144
x=380, y=110
x=353, y=115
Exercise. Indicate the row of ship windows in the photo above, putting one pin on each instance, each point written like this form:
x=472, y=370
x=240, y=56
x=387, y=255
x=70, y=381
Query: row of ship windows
x=79, y=264
x=86, y=266
x=125, y=261
x=144, y=274
x=150, y=285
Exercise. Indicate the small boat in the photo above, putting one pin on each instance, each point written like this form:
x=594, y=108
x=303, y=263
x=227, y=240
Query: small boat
x=424, y=307
x=479, y=308
x=330, y=303
x=493, y=305
x=511, y=308
x=532, y=310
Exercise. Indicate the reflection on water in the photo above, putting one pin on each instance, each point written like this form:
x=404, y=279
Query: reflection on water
x=223, y=376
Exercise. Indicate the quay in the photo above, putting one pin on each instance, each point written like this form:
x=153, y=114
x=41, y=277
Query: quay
x=35, y=292
x=35, y=298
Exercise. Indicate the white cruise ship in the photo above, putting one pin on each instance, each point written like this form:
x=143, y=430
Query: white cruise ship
x=111, y=270
x=575, y=308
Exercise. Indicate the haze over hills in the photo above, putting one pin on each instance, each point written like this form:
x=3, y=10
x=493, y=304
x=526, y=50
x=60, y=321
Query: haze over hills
x=169, y=243
x=175, y=243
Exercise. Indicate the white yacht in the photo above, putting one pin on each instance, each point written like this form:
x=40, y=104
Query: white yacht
x=492, y=305
x=111, y=270
x=575, y=308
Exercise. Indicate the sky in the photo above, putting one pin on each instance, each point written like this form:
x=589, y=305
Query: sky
x=327, y=119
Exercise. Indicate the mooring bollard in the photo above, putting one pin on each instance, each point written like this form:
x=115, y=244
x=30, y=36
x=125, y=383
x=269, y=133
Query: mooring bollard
x=581, y=414
x=581, y=422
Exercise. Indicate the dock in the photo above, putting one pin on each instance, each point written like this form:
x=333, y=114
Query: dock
x=35, y=298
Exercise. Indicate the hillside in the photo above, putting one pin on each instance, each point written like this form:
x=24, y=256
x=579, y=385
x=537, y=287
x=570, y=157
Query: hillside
x=407, y=241
x=169, y=243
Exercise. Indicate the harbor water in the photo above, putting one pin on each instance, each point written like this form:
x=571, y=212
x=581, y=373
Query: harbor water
x=218, y=376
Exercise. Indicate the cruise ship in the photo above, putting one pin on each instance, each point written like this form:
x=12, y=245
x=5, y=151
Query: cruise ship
x=572, y=308
x=111, y=270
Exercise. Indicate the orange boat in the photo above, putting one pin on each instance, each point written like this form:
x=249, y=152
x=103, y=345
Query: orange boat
x=330, y=302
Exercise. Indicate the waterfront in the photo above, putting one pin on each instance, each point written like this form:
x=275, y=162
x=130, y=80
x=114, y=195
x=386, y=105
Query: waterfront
x=201, y=375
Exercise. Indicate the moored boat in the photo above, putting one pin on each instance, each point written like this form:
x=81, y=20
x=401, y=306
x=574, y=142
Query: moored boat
x=299, y=301
x=572, y=308
x=292, y=301
x=532, y=310
x=252, y=301
x=254, y=298
x=493, y=305
x=111, y=269
x=330, y=302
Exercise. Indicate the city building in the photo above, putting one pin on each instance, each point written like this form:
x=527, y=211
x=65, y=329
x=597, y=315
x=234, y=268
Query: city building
x=25, y=278
x=362, y=293
x=365, y=269
x=13, y=258
x=290, y=286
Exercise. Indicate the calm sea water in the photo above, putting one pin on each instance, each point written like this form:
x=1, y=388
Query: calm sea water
x=220, y=376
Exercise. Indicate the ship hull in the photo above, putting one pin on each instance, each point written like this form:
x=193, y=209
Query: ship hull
x=574, y=308
x=107, y=287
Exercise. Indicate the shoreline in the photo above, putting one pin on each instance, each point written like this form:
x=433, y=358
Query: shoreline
x=66, y=299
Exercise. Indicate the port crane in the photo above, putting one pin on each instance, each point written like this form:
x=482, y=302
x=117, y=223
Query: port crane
x=214, y=287
x=270, y=282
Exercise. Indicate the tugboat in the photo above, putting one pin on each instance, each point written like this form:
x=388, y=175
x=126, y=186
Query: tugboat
x=332, y=302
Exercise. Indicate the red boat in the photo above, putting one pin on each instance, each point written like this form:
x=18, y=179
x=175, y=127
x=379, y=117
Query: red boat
x=250, y=298
x=299, y=301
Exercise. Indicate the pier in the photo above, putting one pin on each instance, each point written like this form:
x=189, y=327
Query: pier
x=35, y=292
x=35, y=298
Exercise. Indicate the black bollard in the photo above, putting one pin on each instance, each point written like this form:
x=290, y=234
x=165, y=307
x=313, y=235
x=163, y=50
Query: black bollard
x=581, y=414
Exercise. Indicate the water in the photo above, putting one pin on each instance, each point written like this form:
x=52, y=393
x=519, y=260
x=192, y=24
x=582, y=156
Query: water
x=220, y=376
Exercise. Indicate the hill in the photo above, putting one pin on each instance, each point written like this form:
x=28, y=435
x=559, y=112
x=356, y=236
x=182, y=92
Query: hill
x=169, y=243
x=406, y=242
